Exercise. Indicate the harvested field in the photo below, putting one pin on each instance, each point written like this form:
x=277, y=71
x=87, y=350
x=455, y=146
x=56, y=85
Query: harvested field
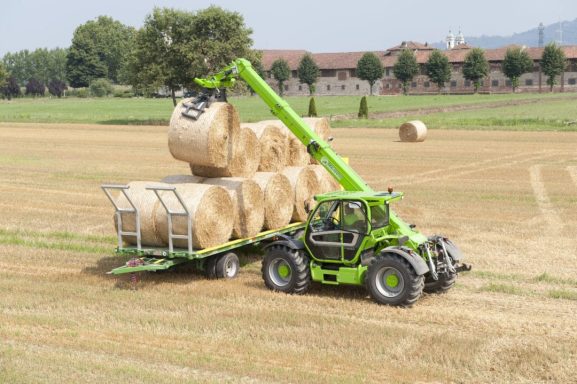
x=507, y=198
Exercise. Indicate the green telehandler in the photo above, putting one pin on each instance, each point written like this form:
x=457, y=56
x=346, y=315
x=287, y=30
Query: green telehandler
x=351, y=236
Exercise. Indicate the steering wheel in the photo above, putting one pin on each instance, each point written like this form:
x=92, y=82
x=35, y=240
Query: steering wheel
x=332, y=222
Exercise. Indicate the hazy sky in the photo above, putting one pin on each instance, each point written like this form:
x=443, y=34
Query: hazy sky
x=317, y=26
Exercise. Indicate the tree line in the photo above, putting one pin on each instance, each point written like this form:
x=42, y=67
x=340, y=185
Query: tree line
x=437, y=68
x=169, y=50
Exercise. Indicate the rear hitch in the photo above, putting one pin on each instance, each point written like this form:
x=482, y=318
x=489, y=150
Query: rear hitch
x=464, y=268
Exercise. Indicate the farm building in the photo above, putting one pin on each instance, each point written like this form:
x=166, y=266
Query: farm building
x=338, y=71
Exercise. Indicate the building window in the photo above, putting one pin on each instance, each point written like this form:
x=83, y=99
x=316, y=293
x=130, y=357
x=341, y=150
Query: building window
x=295, y=74
x=286, y=87
x=495, y=83
x=426, y=84
x=342, y=87
x=353, y=73
x=529, y=82
x=328, y=87
x=572, y=81
x=508, y=83
x=328, y=73
x=414, y=84
x=467, y=83
x=387, y=72
x=388, y=86
x=300, y=87
x=342, y=75
x=453, y=83
x=358, y=87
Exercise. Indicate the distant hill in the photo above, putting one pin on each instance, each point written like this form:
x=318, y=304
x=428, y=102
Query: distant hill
x=529, y=38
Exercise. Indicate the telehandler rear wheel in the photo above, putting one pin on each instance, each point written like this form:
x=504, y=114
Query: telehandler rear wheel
x=442, y=285
x=391, y=280
x=286, y=270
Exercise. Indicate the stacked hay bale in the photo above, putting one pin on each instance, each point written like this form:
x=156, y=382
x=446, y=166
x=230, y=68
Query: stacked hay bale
x=243, y=179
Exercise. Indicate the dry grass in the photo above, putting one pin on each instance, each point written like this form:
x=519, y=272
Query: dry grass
x=507, y=198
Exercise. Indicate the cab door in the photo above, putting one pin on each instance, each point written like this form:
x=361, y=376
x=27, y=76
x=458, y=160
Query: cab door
x=337, y=230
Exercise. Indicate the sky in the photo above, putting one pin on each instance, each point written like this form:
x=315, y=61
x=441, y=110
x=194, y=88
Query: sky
x=316, y=26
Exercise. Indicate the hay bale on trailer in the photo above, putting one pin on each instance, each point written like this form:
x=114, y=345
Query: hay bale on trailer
x=273, y=146
x=278, y=198
x=243, y=163
x=207, y=140
x=320, y=125
x=305, y=185
x=146, y=203
x=182, y=179
x=413, y=131
x=210, y=209
x=327, y=182
x=248, y=204
x=297, y=155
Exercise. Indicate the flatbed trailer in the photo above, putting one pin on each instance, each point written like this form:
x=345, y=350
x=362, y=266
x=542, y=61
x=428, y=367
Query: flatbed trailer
x=162, y=258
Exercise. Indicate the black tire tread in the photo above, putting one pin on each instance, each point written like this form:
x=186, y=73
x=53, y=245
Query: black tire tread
x=302, y=270
x=443, y=285
x=416, y=283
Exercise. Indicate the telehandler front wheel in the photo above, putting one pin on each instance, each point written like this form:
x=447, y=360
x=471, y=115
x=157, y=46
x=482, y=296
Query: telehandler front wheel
x=286, y=270
x=391, y=280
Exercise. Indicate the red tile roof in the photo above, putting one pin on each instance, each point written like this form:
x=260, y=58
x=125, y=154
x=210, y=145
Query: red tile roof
x=292, y=56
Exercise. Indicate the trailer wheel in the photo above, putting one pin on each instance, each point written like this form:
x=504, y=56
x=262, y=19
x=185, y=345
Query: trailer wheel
x=442, y=285
x=227, y=266
x=286, y=270
x=391, y=280
x=210, y=267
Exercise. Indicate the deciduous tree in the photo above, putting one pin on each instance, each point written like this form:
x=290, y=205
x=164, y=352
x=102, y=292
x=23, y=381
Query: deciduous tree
x=280, y=72
x=35, y=87
x=438, y=69
x=370, y=68
x=516, y=63
x=475, y=67
x=552, y=63
x=406, y=68
x=11, y=88
x=308, y=72
x=57, y=88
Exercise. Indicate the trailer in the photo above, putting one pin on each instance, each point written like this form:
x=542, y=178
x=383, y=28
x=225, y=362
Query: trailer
x=220, y=261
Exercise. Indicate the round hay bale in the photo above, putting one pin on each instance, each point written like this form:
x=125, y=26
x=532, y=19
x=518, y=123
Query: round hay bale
x=273, y=146
x=244, y=162
x=210, y=208
x=320, y=125
x=182, y=179
x=413, y=131
x=206, y=141
x=248, y=204
x=146, y=202
x=297, y=154
x=278, y=198
x=305, y=185
x=327, y=182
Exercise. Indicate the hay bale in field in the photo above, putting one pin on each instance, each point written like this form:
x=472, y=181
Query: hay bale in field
x=248, y=204
x=273, y=146
x=278, y=198
x=210, y=209
x=146, y=202
x=305, y=185
x=207, y=140
x=182, y=179
x=320, y=125
x=243, y=163
x=297, y=155
x=413, y=131
x=327, y=182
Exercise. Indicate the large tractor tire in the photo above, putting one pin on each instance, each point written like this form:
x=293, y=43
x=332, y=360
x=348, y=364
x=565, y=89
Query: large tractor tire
x=391, y=280
x=442, y=285
x=286, y=270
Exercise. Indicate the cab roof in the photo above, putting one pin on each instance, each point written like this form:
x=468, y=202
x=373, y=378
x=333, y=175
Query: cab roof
x=360, y=195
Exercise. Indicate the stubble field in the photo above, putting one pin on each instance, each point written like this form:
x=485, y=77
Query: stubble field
x=508, y=199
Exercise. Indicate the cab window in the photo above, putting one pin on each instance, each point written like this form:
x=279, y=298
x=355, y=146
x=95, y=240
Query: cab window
x=379, y=216
x=354, y=217
x=326, y=217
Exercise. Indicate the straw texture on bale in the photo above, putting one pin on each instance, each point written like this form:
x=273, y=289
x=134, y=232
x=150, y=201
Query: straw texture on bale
x=278, y=198
x=413, y=131
x=305, y=185
x=146, y=202
x=297, y=152
x=207, y=140
x=243, y=163
x=320, y=125
x=182, y=179
x=248, y=204
x=210, y=209
x=273, y=146
x=327, y=182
